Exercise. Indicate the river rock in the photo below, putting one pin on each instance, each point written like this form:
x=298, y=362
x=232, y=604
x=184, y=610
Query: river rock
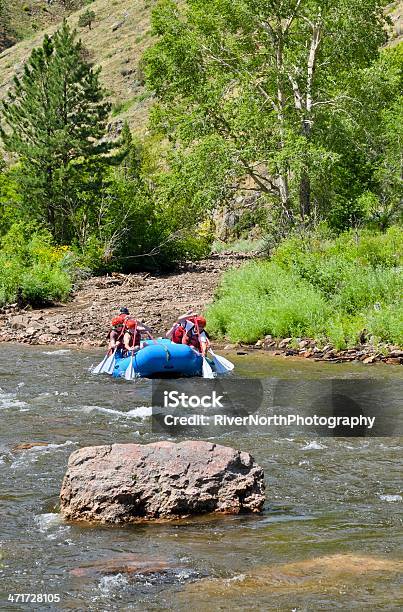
x=28, y=445
x=130, y=482
x=19, y=322
x=45, y=339
x=124, y=563
x=369, y=359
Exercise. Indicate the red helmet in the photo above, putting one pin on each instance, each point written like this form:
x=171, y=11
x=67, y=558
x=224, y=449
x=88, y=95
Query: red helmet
x=201, y=321
x=118, y=320
x=131, y=323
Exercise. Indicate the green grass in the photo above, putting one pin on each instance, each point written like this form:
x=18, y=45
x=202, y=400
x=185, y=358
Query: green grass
x=331, y=290
x=238, y=246
x=121, y=107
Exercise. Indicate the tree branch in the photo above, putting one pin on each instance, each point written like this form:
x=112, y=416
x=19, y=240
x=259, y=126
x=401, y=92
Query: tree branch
x=241, y=73
x=297, y=93
x=316, y=33
x=292, y=17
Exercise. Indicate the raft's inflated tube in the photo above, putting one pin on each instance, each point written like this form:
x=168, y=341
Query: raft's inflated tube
x=161, y=359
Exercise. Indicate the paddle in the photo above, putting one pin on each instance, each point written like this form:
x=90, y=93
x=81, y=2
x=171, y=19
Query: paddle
x=221, y=364
x=110, y=364
x=130, y=374
x=105, y=365
x=206, y=368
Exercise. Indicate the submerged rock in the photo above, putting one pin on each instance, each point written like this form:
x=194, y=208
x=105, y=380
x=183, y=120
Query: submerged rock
x=163, y=480
x=320, y=575
x=124, y=563
x=29, y=445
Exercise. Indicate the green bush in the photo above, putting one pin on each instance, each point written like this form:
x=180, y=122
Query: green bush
x=387, y=324
x=332, y=290
x=260, y=299
x=33, y=270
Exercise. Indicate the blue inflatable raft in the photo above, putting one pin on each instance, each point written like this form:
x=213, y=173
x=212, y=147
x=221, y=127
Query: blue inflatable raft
x=162, y=359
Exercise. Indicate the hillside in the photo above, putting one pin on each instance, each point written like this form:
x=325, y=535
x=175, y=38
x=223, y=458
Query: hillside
x=116, y=41
x=119, y=35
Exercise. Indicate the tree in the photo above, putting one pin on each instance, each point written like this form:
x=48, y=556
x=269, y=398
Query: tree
x=53, y=120
x=86, y=19
x=265, y=76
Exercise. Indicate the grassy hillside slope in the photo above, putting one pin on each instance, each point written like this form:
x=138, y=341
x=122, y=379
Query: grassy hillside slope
x=116, y=41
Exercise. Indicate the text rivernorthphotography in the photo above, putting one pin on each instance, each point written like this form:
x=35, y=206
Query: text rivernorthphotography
x=276, y=420
x=332, y=407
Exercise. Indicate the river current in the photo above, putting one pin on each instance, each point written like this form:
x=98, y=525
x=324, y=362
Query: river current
x=328, y=537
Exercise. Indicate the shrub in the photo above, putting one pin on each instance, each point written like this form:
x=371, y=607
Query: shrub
x=313, y=286
x=260, y=299
x=33, y=270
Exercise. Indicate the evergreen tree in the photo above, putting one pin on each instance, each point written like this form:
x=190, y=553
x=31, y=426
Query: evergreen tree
x=54, y=120
x=86, y=19
x=129, y=154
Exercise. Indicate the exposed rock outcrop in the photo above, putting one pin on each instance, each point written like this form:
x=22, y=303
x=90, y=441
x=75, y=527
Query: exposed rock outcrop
x=131, y=482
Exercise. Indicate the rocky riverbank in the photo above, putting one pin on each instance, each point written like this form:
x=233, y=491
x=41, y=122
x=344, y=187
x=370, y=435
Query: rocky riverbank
x=157, y=299
x=309, y=348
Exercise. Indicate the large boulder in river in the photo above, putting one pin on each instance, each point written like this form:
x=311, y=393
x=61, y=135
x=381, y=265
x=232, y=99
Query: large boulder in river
x=131, y=482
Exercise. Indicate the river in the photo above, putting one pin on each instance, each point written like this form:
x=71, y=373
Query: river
x=325, y=497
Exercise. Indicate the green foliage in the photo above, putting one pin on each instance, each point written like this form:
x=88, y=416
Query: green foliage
x=33, y=270
x=85, y=20
x=277, y=82
x=262, y=298
x=322, y=288
x=144, y=220
x=53, y=120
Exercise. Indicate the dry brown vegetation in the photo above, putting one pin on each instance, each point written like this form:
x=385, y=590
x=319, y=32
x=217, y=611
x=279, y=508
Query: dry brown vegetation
x=119, y=35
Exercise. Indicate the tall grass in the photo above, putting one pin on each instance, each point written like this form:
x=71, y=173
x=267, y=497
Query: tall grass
x=333, y=290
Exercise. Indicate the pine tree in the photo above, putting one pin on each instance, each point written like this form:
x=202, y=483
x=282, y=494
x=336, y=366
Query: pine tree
x=86, y=19
x=128, y=157
x=54, y=120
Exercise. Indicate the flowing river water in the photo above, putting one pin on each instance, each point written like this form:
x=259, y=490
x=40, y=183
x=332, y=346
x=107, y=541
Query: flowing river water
x=328, y=537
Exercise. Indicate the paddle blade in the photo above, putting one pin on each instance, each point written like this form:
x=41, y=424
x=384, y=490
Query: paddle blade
x=207, y=371
x=99, y=368
x=221, y=363
x=109, y=365
x=130, y=374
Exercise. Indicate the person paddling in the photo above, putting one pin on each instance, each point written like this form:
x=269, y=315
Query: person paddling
x=132, y=337
x=178, y=329
x=115, y=335
x=132, y=334
x=196, y=336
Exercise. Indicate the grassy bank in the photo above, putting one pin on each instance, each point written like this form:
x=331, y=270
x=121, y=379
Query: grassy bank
x=341, y=290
